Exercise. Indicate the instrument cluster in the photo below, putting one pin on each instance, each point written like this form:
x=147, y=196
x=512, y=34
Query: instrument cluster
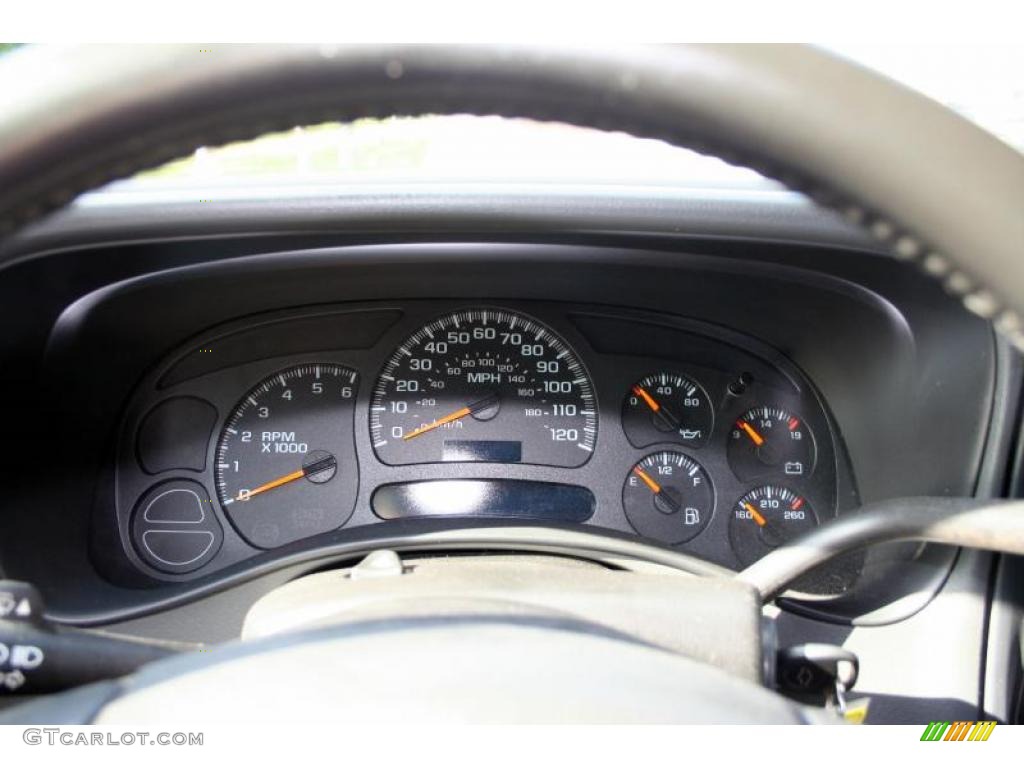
x=271, y=432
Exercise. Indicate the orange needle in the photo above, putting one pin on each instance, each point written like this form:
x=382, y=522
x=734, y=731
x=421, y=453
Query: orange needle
x=758, y=440
x=758, y=517
x=283, y=480
x=648, y=480
x=651, y=402
x=439, y=422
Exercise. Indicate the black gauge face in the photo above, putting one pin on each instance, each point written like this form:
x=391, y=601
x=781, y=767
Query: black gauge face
x=285, y=463
x=667, y=408
x=770, y=442
x=667, y=496
x=484, y=385
x=766, y=518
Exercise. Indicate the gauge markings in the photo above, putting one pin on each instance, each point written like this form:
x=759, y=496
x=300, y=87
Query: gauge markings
x=499, y=381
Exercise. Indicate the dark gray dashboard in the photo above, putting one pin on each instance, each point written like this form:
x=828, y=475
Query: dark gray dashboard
x=903, y=380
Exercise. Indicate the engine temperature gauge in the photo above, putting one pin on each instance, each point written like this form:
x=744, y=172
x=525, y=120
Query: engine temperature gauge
x=766, y=518
x=768, y=442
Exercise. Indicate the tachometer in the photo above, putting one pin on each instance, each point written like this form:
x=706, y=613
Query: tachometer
x=484, y=385
x=286, y=464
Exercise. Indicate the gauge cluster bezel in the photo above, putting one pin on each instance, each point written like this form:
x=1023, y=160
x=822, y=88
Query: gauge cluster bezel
x=603, y=338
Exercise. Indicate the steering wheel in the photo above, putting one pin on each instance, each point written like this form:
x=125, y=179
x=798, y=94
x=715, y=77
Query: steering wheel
x=884, y=157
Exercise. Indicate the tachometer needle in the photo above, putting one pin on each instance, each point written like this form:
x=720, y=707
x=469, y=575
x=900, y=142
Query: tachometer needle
x=758, y=517
x=283, y=480
x=317, y=463
x=751, y=433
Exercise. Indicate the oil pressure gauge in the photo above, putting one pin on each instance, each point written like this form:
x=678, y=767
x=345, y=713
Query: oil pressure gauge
x=667, y=408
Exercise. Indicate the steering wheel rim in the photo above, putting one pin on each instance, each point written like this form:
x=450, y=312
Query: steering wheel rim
x=885, y=157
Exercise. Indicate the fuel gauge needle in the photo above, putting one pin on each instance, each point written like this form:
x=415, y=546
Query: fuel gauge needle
x=648, y=480
x=657, y=490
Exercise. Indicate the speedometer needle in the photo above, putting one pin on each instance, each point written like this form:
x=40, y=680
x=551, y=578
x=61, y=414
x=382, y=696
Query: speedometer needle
x=469, y=410
x=453, y=416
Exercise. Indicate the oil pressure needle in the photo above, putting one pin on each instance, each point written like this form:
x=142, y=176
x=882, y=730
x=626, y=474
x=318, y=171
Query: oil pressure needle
x=645, y=396
x=656, y=407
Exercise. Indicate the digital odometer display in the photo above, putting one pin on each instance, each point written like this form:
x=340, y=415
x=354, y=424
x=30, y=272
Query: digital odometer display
x=484, y=385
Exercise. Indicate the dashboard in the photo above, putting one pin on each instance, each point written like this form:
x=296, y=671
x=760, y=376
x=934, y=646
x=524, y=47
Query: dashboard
x=662, y=391
x=138, y=334
x=275, y=429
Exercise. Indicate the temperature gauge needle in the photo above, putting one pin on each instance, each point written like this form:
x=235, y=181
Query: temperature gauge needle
x=764, y=522
x=758, y=517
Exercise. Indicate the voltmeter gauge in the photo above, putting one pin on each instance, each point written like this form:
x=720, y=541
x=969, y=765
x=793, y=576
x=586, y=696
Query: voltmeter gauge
x=766, y=518
x=667, y=408
x=668, y=497
x=770, y=442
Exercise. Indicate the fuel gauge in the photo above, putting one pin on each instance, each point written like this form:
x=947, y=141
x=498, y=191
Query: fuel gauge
x=667, y=496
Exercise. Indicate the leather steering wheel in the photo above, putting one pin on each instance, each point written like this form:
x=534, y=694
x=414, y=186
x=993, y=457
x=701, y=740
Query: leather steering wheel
x=938, y=190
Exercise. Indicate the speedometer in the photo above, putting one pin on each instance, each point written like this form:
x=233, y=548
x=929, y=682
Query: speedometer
x=484, y=385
